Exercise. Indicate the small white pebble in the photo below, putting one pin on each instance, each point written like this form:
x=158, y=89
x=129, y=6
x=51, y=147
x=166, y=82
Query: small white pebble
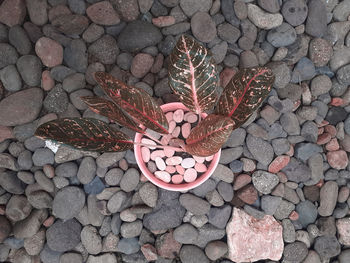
x=157, y=153
x=177, y=179
x=145, y=152
x=178, y=115
x=149, y=142
x=172, y=125
x=160, y=163
x=188, y=163
x=209, y=158
x=192, y=118
x=175, y=160
x=186, y=129
x=190, y=175
x=169, y=116
x=176, y=131
x=199, y=159
x=163, y=175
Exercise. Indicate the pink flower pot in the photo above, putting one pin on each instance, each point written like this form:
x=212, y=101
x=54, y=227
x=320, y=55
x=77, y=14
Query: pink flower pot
x=168, y=186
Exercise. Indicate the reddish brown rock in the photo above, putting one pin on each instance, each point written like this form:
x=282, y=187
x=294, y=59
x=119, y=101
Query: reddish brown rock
x=103, y=13
x=47, y=82
x=141, y=65
x=12, y=12
x=71, y=24
x=163, y=21
x=332, y=145
x=343, y=227
x=337, y=102
x=149, y=252
x=5, y=133
x=323, y=138
x=21, y=107
x=251, y=240
x=331, y=130
x=241, y=180
x=226, y=75
x=294, y=216
x=279, y=163
x=49, y=51
x=338, y=159
x=57, y=11
x=248, y=194
x=167, y=246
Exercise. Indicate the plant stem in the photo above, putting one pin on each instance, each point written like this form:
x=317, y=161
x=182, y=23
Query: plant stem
x=160, y=146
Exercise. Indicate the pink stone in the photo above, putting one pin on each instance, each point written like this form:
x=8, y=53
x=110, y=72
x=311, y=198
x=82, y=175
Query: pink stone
x=331, y=130
x=338, y=159
x=188, y=163
x=332, y=145
x=49, y=221
x=167, y=246
x=248, y=165
x=163, y=21
x=176, y=131
x=12, y=12
x=49, y=51
x=200, y=167
x=294, y=216
x=279, y=163
x=163, y=175
x=170, y=169
x=149, y=142
x=180, y=169
x=5, y=133
x=320, y=130
x=146, y=154
x=337, y=102
x=172, y=126
x=323, y=138
x=199, y=159
x=157, y=153
x=103, y=13
x=175, y=160
x=241, y=181
x=191, y=118
x=343, y=227
x=160, y=163
x=149, y=252
x=209, y=158
x=190, y=175
x=226, y=75
x=177, y=178
x=141, y=64
x=186, y=129
x=123, y=164
x=250, y=239
x=169, y=116
x=165, y=139
x=169, y=152
x=47, y=82
x=178, y=116
x=143, y=178
x=291, y=151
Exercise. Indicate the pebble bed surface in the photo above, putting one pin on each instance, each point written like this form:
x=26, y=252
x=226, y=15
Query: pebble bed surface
x=290, y=160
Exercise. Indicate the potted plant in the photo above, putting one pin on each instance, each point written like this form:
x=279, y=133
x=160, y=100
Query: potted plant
x=190, y=140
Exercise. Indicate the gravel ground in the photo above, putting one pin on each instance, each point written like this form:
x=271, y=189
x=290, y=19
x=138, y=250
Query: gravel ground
x=289, y=161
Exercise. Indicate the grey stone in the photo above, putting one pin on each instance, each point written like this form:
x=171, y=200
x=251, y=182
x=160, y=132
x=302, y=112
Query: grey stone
x=284, y=210
x=304, y=70
x=131, y=229
x=288, y=231
x=316, y=23
x=194, y=204
x=67, y=169
x=294, y=12
x=20, y=40
x=68, y=202
x=75, y=55
x=10, y=78
x=304, y=151
x=230, y=154
x=18, y=208
x=185, y=234
x=74, y=82
x=130, y=180
x=107, y=159
x=71, y=257
x=307, y=213
x=30, y=225
x=260, y=149
x=91, y=240
x=219, y=217
x=128, y=245
x=115, y=203
x=327, y=246
x=149, y=194
x=203, y=27
x=227, y=9
x=295, y=252
x=63, y=236
x=29, y=67
x=87, y=170
x=264, y=181
x=328, y=198
x=344, y=256
x=296, y=171
x=138, y=35
x=103, y=258
x=190, y=7
x=9, y=55
x=343, y=75
x=47, y=255
x=228, y=33
x=225, y=190
x=56, y=100
x=281, y=36
x=192, y=254
x=10, y=182
x=59, y=73
x=336, y=115
x=104, y=50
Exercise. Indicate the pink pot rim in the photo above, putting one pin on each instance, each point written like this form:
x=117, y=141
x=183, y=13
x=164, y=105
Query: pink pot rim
x=173, y=187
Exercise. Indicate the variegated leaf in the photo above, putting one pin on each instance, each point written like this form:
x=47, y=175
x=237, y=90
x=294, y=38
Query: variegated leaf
x=208, y=137
x=112, y=111
x=85, y=134
x=244, y=93
x=136, y=102
x=193, y=75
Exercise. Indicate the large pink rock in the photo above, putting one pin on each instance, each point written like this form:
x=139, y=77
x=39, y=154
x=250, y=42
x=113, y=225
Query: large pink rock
x=250, y=239
x=103, y=13
x=343, y=227
x=338, y=159
x=49, y=51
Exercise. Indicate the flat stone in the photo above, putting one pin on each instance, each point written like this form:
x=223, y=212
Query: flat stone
x=264, y=181
x=9, y=56
x=102, y=13
x=328, y=198
x=31, y=225
x=71, y=24
x=327, y=246
x=265, y=238
x=49, y=51
x=203, y=27
x=190, y=8
x=296, y=171
x=20, y=40
x=10, y=182
x=29, y=67
x=294, y=12
x=12, y=12
x=263, y=19
x=68, y=202
x=316, y=23
x=260, y=149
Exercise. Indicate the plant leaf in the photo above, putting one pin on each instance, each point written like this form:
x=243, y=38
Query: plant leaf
x=208, y=137
x=85, y=134
x=244, y=93
x=136, y=102
x=112, y=111
x=193, y=75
